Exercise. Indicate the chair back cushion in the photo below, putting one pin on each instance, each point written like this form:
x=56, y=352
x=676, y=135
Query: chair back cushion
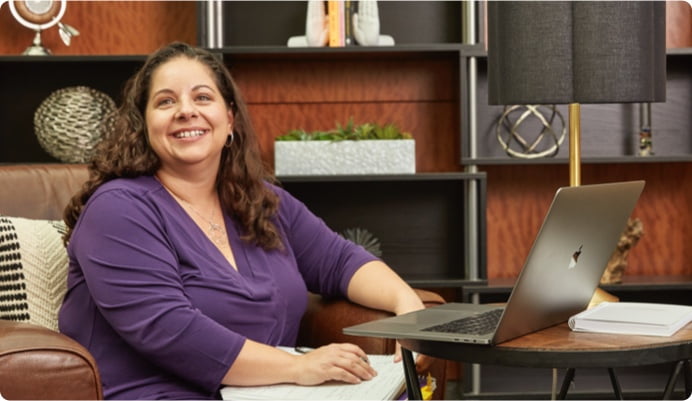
x=39, y=191
x=33, y=270
x=33, y=259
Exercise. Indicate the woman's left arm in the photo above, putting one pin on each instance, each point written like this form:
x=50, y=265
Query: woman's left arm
x=377, y=286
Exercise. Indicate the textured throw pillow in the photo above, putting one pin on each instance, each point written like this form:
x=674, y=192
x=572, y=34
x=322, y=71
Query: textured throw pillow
x=33, y=270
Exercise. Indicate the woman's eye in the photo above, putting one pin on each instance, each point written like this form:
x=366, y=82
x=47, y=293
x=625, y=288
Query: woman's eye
x=164, y=102
x=203, y=98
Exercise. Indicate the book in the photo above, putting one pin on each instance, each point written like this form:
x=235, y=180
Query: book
x=637, y=318
x=389, y=384
x=336, y=23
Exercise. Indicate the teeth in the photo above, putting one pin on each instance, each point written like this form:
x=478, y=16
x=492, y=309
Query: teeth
x=189, y=134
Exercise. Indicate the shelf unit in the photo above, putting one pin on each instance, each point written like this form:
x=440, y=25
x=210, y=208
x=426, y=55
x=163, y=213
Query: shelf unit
x=609, y=131
x=414, y=84
x=27, y=81
x=419, y=219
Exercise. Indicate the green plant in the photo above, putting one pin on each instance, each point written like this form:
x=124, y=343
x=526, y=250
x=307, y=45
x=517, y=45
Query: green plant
x=348, y=132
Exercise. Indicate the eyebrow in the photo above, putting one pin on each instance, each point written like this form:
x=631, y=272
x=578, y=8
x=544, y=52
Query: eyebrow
x=194, y=88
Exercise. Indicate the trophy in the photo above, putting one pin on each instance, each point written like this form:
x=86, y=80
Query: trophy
x=39, y=15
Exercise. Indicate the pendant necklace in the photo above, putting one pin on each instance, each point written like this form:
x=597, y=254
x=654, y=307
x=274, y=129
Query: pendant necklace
x=215, y=232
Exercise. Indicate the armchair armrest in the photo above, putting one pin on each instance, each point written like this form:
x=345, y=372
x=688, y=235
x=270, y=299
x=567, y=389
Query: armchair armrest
x=38, y=363
x=325, y=319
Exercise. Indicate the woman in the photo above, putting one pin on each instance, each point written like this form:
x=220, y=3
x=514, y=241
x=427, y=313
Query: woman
x=188, y=266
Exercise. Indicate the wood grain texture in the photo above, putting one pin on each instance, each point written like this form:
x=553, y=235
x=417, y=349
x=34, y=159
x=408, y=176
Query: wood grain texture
x=561, y=338
x=349, y=80
x=418, y=93
x=109, y=27
x=432, y=124
x=678, y=24
x=519, y=197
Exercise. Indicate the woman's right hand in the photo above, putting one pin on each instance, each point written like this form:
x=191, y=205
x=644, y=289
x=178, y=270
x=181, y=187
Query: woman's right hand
x=338, y=362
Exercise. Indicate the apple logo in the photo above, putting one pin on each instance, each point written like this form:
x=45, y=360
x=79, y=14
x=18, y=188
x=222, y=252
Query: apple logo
x=575, y=258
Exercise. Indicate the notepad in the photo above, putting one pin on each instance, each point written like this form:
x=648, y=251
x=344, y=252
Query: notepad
x=637, y=318
x=387, y=385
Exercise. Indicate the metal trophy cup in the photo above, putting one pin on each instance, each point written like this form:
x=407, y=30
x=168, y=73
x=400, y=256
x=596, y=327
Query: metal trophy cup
x=39, y=15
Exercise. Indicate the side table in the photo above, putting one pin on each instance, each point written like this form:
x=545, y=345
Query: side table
x=560, y=347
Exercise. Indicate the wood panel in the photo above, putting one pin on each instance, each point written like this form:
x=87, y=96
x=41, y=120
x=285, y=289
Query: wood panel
x=109, y=27
x=419, y=93
x=362, y=78
x=519, y=197
x=432, y=124
x=678, y=24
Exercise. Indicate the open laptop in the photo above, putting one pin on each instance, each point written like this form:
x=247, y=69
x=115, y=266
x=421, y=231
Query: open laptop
x=564, y=266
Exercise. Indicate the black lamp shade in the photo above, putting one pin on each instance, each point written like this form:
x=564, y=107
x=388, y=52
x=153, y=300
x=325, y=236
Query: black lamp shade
x=544, y=52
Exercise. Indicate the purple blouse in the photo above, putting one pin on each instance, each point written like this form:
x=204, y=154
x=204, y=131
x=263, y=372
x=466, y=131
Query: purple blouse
x=160, y=308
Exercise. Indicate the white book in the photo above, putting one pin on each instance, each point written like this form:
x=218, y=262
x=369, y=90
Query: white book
x=637, y=318
x=389, y=384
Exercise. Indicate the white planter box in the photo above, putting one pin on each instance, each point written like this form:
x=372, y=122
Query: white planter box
x=345, y=157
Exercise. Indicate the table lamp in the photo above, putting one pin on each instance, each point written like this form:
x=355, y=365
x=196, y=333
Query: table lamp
x=575, y=52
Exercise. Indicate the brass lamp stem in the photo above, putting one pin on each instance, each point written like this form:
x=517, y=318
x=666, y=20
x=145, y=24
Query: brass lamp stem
x=574, y=145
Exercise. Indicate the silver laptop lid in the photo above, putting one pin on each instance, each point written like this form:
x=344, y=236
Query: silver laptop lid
x=569, y=255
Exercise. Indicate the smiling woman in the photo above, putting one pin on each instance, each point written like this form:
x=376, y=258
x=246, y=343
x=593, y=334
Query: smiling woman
x=188, y=260
x=188, y=119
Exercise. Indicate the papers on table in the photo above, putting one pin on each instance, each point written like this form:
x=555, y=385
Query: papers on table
x=387, y=385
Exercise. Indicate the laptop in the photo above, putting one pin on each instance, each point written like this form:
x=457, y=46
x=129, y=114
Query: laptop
x=563, y=268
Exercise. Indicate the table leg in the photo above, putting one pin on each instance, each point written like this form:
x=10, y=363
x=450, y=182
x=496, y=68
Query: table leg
x=616, y=384
x=412, y=384
x=670, y=386
x=688, y=379
x=569, y=376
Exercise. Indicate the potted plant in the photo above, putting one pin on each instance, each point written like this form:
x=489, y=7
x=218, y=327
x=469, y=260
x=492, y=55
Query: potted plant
x=352, y=149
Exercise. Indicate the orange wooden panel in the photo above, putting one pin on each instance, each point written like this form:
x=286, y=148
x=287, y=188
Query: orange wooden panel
x=109, y=27
x=678, y=24
x=434, y=126
x=519, y=196
x=342, y=80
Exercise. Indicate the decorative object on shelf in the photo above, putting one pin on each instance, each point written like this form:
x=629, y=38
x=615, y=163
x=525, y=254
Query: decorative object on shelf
x=351, y=150
x=341, y=23
x=646, y=146
x=576, y=52
x=71, y=121
x=618, y=261
x=363, y=238
x=39, y=15
x=507, y=131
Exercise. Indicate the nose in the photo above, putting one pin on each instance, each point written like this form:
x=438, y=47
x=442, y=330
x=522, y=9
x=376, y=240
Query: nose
x=186, y=110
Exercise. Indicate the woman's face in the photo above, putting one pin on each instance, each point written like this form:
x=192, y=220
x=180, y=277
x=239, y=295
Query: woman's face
x=187, y=117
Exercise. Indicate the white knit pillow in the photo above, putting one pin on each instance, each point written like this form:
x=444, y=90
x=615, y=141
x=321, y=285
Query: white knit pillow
x=33, y=270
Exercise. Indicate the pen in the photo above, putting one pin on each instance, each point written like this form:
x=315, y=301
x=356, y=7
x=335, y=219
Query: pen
x=302, y=350
x=305, y=350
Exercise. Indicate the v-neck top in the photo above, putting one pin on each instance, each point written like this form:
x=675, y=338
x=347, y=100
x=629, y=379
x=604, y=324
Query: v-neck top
x=161, y=309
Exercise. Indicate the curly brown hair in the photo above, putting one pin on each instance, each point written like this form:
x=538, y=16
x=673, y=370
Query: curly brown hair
x=242, y=176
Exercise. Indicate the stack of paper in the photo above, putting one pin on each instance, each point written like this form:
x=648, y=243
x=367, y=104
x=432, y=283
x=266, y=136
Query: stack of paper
x=387, y=385
x=633, y=318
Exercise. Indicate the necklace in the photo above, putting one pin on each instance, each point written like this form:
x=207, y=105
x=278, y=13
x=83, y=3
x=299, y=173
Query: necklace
x=215, y=231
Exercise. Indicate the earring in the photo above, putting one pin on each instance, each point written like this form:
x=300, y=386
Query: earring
x=229, y=140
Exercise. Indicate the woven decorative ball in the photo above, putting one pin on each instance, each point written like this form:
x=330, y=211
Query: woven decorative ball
x=71, y=121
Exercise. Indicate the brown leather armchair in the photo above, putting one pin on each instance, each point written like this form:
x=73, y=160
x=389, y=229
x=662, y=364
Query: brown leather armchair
x=39, y=363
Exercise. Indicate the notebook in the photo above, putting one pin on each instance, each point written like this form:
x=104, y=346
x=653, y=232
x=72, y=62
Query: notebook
x=562, y=270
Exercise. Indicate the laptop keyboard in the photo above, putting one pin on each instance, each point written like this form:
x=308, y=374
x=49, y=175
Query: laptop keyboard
x=482, y=323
